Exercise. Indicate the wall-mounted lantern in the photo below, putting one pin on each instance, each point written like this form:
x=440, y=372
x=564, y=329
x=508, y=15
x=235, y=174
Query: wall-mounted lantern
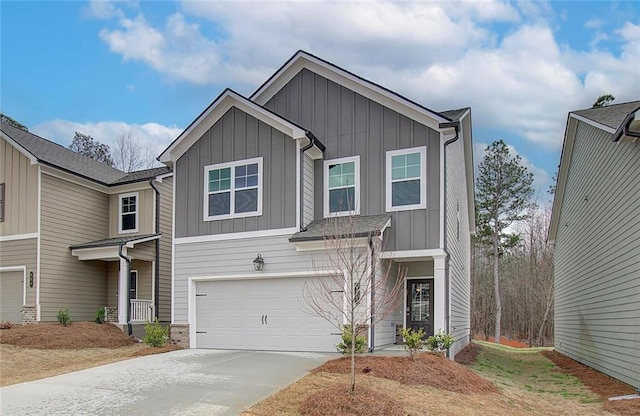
x=258, y=263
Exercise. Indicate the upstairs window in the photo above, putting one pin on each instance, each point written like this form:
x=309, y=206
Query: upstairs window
x=342, y=186
x=406, y=179
x=233, y=190
x=128, y=218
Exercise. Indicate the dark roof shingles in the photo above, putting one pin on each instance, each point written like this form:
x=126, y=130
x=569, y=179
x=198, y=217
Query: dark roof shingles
x=611, y=116
x=355, y=226
x=60, y=157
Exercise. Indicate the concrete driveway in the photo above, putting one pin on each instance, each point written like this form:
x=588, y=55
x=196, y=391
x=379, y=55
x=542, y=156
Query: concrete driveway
x=186, y=382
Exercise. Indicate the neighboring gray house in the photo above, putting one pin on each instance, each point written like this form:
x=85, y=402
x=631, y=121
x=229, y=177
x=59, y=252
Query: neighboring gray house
x=260, y=176
x=595, y=227
x=69, y=226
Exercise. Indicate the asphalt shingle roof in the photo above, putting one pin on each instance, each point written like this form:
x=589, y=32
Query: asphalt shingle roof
x=353, y=227
x=611, y=116
x=58, y=156
x=117, y=241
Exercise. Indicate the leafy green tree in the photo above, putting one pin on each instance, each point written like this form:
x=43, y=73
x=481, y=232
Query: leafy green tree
x=88, y=146
x=8, y=120
x=503, y=192
x=603, y=101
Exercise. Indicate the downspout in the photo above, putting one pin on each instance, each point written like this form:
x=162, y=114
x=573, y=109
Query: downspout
x=447, y=280
x=373, y=296
x=128, y=260
x=156, y=300
x=313, y=141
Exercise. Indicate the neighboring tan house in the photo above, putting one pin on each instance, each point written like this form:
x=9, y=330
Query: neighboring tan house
x=78, y=234
x=260, y=176
x=595, y=226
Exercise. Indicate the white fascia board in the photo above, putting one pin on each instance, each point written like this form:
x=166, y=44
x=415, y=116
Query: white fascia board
x=315, y=245
x=163, y=177
x=348, y=80
x=563, y=171
x=131, y=244
x=21, y=149
x=96, y=253
x=414, y=255
x=214, y=112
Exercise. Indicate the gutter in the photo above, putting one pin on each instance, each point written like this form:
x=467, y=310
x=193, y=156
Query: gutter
x=372, y=327
x=128, y=260
x=156, y=283
x=313, y=141
x=447, y=279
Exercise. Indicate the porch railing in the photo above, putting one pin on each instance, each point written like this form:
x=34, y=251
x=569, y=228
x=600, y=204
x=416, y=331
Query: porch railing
x=141, y=310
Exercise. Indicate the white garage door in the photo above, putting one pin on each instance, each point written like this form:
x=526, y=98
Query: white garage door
x=11, y=290
x=265, y=314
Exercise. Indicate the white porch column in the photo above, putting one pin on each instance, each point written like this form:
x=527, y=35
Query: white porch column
x=123, y=287
x=439, y=293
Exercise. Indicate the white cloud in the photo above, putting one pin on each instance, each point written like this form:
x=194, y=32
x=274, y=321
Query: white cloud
x=156, y=136
x=436, y=54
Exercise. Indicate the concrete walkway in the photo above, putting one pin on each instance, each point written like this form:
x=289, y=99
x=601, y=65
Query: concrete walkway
x=186, y=382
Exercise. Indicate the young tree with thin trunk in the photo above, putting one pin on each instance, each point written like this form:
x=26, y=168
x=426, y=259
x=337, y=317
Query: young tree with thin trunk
x=503, y=192
x=362, y=289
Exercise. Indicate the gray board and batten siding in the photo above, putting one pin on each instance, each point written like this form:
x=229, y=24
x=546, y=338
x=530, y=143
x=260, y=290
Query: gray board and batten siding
x=597, y=256
x=350, y=124
x=237, y=136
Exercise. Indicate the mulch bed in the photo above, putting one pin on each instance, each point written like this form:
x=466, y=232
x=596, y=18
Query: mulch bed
x=599, y=383
x=76, y=335
x=337, y=401
x=427, y=369
x=469, y=354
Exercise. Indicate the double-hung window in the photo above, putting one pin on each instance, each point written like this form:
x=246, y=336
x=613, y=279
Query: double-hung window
x=128, y=218
x=406, y=179
x=342, y=186
x=233, y=190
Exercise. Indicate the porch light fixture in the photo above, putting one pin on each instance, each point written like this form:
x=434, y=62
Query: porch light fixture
x=258, y=263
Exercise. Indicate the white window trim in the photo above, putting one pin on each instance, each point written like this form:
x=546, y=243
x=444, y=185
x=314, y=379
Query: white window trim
x=423, y=179
x=356, y=193
x=232, y=165
x=120, y=213
x=137, y=276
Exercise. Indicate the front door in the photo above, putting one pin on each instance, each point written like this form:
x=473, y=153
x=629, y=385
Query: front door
x=420, y=305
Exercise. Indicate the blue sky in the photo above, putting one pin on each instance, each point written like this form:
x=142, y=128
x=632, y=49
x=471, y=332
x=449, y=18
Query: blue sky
x=150, y=67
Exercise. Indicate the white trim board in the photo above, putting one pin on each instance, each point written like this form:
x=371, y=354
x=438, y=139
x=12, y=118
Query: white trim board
x=276, y=232
x=16, y=237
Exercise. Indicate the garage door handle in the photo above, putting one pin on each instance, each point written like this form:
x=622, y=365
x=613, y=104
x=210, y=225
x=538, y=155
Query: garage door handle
x=262, y=319
x=265, y=319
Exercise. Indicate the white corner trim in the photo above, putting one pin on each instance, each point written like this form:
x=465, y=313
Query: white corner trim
x=38, y=250
x=442, y=208
x=173, y=251
x=276, y=232
x=16, y=237
x=299, y=174
x=22, y=269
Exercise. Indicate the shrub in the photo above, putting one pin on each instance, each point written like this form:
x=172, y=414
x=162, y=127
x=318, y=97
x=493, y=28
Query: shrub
x=6, y=325
x=155, y=335
x=345, y=346
x=64, y=317
x=100, y=316
x=440, y=342
x=413, y=341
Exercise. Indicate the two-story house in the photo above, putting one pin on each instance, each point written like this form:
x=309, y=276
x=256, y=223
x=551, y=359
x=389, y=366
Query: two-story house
x=80, y=235
x=257, y=178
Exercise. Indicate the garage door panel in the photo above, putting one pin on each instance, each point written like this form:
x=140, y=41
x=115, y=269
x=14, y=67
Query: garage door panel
x=11, y=295
x=264, y=314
